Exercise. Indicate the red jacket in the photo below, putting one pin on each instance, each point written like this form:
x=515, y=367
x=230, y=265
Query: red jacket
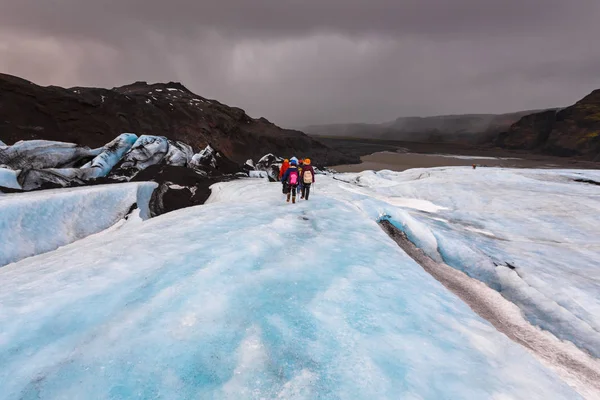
x=284, y=167
x=307, y=168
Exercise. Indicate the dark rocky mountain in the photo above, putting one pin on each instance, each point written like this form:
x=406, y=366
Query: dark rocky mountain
x=93, y=117
x=572, y=131
x=465, y=129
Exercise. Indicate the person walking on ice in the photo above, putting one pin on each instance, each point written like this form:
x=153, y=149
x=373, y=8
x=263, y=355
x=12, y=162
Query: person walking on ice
x=307, y=178
x=290, y=180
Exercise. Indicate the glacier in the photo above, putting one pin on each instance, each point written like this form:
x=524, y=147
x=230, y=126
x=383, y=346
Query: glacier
x=38, y=222
x=530, y=234
x=250, y=297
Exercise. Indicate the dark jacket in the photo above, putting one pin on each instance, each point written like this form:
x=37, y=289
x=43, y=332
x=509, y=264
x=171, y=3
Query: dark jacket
x=307, y=168
x=286, y=175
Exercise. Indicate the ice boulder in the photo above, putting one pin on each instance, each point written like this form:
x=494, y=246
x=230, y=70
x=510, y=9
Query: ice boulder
x=271, y=164
x=2, y=144
x=39, y=154
x=248, y=166
x=151, y=150
x=147, y=150
x=205, y=158
x=100, y=166
x=38, y=222
x=111, y=155
x=179, y=154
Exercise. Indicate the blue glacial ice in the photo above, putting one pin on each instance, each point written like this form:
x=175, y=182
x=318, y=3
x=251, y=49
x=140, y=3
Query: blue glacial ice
x=109, y=157
x=530, y=234
x=248, y=297
x=37, y=222
x=8, y=178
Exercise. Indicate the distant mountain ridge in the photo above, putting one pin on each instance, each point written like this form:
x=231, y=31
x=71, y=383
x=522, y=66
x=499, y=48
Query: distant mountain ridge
x=95, y=116
x=466, y=128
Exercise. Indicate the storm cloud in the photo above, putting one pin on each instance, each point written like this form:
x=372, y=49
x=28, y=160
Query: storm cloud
x=300, y=62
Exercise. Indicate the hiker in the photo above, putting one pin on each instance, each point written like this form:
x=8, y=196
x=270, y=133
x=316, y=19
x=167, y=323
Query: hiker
x=284, y=167
x=307, y=178
x=290, y=180
x=300, y=166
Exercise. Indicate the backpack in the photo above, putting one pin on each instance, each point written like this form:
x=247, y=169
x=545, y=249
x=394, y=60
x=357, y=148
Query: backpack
x=308, y=177
x=293, y=178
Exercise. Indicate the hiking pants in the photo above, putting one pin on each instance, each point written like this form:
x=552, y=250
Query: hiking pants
x=290, y=189
x=306, y=190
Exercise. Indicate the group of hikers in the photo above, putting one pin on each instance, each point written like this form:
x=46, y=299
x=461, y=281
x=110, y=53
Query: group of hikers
x=296, y=177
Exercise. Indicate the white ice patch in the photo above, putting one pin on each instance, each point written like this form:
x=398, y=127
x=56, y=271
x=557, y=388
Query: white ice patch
x=177, y=187
x=258, y=174
x=470, y=157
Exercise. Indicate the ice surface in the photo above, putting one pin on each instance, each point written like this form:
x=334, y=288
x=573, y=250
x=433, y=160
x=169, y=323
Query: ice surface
x=37, y=222
x=540, y=222
x=250, y=299
x=8, y=178
x=44, y=154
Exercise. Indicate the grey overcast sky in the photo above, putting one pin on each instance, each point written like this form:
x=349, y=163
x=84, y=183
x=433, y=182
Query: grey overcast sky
x=300, y=62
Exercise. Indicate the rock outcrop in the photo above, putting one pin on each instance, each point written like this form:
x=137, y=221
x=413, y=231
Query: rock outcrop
x=572, y=131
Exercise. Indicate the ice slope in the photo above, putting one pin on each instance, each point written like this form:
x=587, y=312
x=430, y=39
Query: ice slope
x=37, y=222
x=533, y=235
x=248, y=297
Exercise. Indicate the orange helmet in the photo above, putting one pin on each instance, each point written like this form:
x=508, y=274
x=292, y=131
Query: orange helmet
x=307, y=161
x=286, y=160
